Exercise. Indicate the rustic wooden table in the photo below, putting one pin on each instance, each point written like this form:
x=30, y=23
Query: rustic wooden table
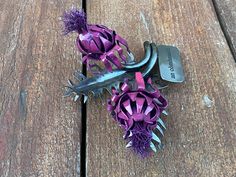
x=44, y=134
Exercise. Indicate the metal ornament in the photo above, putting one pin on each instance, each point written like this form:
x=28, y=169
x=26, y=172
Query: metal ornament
x=97, y=43
x=135, y=104
x=137, y=110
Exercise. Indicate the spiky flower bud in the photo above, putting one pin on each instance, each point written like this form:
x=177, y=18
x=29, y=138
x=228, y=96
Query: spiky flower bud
x=138, y=112
x=95, y=42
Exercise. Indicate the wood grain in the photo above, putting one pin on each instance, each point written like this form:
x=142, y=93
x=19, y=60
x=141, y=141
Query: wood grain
x=200, y=139
x=227, y=14
x=39, y=129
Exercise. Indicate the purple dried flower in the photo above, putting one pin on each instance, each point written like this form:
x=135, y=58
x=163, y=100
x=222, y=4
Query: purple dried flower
x=138, y=112
x=95, y=42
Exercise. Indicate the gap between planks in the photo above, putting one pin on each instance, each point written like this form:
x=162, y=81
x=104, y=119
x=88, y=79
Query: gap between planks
x=83, y=121
x=224, y=29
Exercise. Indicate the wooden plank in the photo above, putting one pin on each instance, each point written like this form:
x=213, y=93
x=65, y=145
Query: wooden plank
x=226, y=11
x=39, y=129
x=200, y=138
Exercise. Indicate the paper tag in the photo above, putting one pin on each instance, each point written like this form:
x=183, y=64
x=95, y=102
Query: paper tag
x=170, y=65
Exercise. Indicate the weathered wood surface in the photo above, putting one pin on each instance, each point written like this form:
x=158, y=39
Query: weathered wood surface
x=200, y=139
x=227, y=13
x=39, y=129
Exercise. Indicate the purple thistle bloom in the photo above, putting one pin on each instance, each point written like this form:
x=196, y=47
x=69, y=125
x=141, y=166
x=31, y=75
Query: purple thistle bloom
x=74, y=20
x=141, y=138
x=95, y=42
x=138, y=112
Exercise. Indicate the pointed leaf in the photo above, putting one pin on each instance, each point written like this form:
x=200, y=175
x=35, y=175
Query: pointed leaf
x=70, y=83
x=130, y=58
x=164, y=112
x=156, y=138
x=152, y=146
x=109, y=90
x=76, y=97
x=160, y=130
x=129, y=144
x=85, y=98
x=130, y=134
x=162, y=123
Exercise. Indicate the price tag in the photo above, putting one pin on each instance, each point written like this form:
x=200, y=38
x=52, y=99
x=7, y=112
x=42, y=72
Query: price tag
x=170, y=65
